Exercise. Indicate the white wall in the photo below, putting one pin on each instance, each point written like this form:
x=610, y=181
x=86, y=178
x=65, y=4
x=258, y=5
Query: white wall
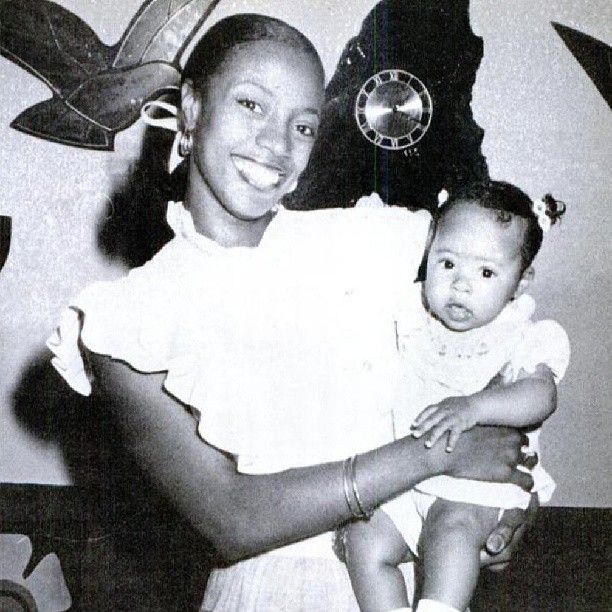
x=546, y=128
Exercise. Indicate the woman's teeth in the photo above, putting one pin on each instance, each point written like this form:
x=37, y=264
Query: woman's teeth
x=258, y=175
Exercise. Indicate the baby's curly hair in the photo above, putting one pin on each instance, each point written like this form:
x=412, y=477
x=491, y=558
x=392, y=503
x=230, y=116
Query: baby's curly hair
x=507, y=201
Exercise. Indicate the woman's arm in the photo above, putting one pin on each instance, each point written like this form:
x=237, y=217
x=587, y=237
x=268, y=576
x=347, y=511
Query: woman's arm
x=244, y=514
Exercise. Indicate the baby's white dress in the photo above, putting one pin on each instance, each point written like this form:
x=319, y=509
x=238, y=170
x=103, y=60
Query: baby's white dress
x=440, y=363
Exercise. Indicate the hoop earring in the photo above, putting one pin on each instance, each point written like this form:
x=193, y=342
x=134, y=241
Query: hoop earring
x=185, y=143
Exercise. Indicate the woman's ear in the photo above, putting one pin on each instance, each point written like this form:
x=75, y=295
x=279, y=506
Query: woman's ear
x=526, y=279
x=190, y=106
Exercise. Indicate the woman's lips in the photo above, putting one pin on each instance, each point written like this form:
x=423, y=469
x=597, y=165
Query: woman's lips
x=259, y=175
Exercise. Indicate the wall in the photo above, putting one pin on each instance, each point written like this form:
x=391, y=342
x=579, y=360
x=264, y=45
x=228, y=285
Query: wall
x=546, y=128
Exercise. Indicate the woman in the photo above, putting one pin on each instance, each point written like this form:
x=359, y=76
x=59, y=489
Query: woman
x=250, y=109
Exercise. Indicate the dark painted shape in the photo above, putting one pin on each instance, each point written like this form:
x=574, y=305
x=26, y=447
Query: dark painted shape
x=594, y=56
x=5, y=238
x=432, y=40
x=131, y=551
x=98, y=90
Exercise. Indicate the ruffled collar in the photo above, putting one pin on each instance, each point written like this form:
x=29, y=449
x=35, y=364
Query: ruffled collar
x=181, y=222
x=444, y=343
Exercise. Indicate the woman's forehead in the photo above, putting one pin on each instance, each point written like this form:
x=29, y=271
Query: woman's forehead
x=270, y=54
x=277, y=67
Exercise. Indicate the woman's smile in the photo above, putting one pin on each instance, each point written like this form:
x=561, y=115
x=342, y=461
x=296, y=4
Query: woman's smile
x=260, y=175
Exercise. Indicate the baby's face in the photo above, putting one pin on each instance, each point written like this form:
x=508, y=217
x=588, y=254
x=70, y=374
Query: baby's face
x=473, y=266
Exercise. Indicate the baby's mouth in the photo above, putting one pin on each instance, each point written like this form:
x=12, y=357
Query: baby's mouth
x=458, y=312
x=261, y=176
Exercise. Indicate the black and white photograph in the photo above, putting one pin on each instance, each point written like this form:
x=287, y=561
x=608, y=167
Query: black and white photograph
x=304, y=305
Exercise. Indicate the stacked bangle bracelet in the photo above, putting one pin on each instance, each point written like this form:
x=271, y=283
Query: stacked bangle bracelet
x=351, y=491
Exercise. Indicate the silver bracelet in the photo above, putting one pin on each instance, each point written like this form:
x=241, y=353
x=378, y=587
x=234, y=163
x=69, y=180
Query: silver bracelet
x=351, y=491
x=365, y=513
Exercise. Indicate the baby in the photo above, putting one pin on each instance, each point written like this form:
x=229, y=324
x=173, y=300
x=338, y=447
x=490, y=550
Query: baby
x=475, y=356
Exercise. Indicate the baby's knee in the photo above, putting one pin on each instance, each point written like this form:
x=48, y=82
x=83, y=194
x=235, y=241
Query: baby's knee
x=375, y=542
x=454, y=517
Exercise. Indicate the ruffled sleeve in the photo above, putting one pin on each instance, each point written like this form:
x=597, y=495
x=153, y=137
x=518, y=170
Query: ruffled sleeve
x=544, y=342
x=132, y=319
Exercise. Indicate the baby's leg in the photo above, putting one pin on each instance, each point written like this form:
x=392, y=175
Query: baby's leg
x=449, y=550
x=373, y=550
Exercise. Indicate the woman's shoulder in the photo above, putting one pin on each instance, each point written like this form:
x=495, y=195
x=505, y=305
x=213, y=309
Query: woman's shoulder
x=388, y=228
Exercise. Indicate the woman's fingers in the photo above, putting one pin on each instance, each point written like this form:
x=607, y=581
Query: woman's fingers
x=504, y=539
x=484, y=453
x=529, y=460
x=521, y=479
x=499, y=539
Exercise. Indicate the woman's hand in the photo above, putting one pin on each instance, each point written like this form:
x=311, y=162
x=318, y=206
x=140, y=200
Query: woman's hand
x=506, y=537
x=484, y=453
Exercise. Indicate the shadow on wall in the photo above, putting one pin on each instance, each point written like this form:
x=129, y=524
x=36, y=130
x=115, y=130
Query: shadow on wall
x=119, y=542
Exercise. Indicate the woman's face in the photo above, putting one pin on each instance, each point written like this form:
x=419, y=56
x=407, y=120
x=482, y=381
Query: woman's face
x=255, y=127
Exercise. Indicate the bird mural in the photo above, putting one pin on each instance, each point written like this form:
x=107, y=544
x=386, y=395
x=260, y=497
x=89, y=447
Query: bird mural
x=98, y=90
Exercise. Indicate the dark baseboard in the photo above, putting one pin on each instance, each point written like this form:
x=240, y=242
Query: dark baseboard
x=125, y=552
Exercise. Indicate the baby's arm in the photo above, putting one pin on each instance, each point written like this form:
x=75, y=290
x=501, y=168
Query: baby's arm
x=529, y=400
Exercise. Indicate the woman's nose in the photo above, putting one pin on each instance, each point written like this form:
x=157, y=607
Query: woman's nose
x=274, y=137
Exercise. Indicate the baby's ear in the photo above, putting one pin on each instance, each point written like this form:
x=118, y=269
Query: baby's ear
x=526, y=279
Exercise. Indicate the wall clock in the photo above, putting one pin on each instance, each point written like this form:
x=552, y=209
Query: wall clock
x=393, y=109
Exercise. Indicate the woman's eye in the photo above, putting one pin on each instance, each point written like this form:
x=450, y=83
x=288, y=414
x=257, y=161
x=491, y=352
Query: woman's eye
x=448, y=264
x=306, y=130
x=250, y=105
x=487, y=273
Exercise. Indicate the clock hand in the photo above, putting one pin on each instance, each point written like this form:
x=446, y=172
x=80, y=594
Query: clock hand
x=379, y=111
x=403, y=108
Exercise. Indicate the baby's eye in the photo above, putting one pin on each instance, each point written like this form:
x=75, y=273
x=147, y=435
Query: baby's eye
x=448, y=264
x=487, y=273
x=251, y=105
x=306, y=130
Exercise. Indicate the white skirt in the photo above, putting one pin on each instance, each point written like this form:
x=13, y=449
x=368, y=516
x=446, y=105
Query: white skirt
x=273, y=583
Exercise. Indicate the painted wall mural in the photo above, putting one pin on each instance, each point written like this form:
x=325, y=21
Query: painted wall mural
x=27, y=589
x=397, y=118
x=5, y=238
x=97, y=89
x=594, y=56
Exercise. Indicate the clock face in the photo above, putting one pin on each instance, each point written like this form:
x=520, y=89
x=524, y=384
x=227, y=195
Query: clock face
x=393, y=109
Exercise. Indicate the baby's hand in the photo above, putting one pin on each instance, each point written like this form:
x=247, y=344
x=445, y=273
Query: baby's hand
x=453, y=415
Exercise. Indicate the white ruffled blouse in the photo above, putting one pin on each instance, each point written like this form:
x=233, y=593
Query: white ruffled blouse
x=281, y=349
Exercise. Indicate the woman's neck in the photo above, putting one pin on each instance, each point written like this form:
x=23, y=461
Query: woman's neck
x=216, y=223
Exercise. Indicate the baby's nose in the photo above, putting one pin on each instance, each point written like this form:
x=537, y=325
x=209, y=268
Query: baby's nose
x=461, y=283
